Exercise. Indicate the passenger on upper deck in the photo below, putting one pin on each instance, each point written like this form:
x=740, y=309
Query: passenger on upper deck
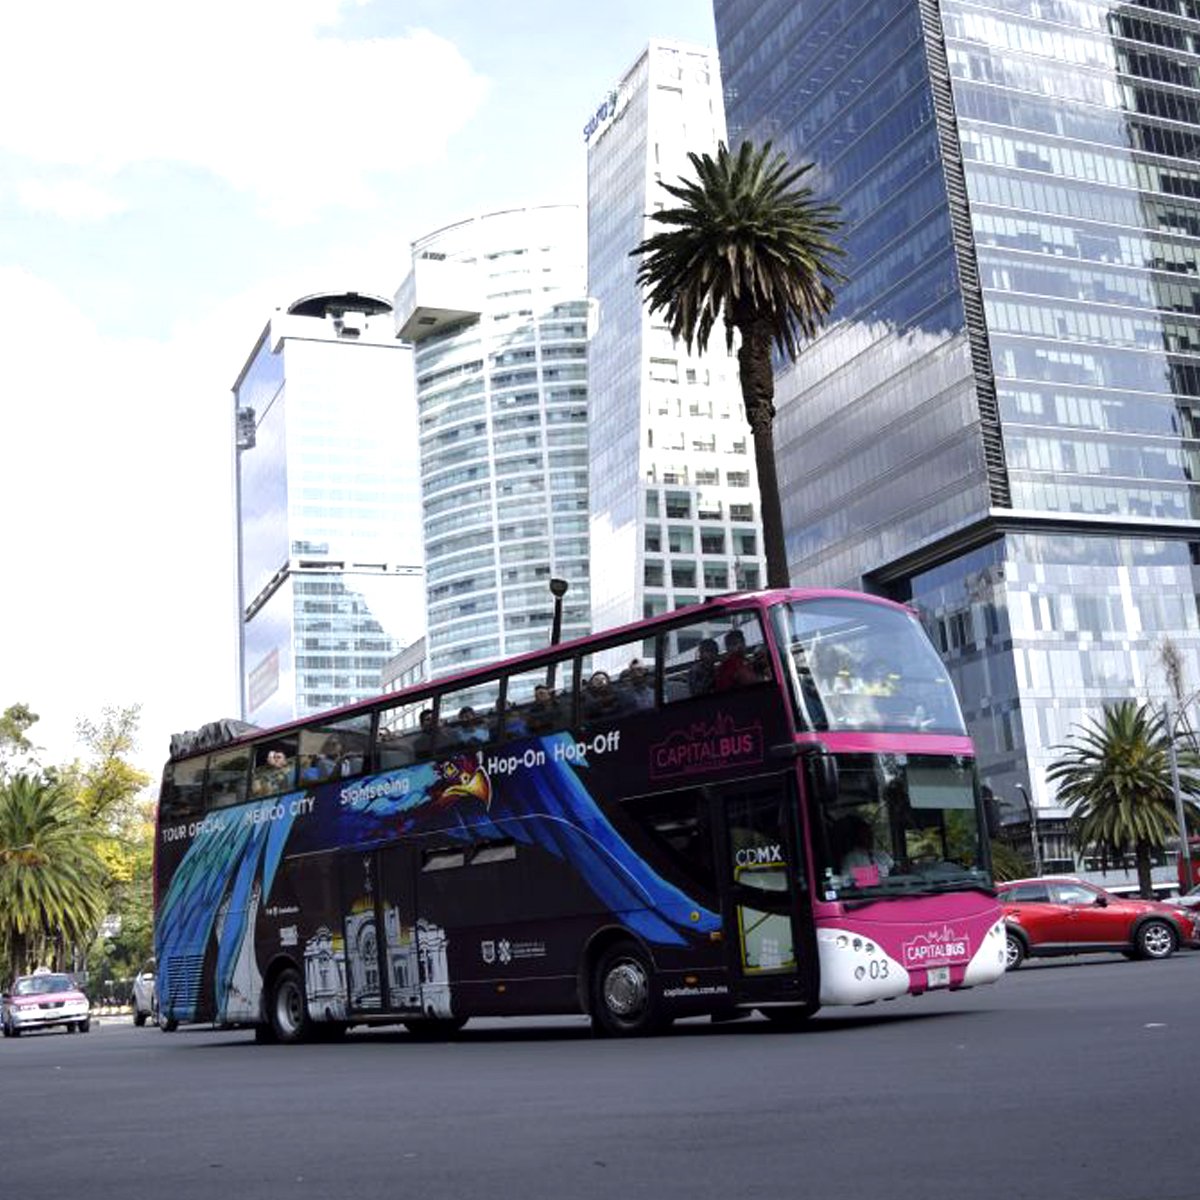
x=702, y=677
x=735, y=669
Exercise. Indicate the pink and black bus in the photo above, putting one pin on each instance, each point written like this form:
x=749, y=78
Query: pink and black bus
x=765, y=803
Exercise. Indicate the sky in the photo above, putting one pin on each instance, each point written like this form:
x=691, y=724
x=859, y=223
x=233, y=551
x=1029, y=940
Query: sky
x=170, y=175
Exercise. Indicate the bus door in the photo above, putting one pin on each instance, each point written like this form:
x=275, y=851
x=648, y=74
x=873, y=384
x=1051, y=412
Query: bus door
x=765, y=899
x=381, y=971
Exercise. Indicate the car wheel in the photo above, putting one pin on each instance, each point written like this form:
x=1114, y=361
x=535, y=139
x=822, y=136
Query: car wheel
x=1155, y=939
x=84, y=1025
x=139, y=1017
x=287, y=1009
x=1014, y=951
x=166, y=1024
x=790, y=1016
x=623, y=1000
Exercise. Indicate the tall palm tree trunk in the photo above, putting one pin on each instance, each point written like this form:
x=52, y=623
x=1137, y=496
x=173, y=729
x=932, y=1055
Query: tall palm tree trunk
x=1141, y=857
x=757, y=380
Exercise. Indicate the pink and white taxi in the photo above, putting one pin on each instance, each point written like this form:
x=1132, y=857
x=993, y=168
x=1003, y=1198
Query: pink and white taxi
x=43, y=1000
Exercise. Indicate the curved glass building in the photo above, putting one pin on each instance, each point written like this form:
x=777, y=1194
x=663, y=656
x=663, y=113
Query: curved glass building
x=495, y=308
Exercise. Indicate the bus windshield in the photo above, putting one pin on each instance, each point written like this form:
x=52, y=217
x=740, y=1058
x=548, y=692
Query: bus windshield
x=900, y=824
x=863, y=666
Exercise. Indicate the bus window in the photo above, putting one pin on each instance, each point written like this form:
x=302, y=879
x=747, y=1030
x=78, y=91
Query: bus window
x=723, y=653
x=534, y=706
x=334, y=749
x=274, y=766
x=406, y=733
x=470, y=714
x=182, y=790
x=227, y=774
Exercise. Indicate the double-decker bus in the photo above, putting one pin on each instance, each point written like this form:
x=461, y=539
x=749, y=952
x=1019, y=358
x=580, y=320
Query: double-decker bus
x=765, y=802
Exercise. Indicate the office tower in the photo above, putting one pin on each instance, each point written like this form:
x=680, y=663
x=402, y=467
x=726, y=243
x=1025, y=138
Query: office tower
x=496, y=312
x=999, y=422
x=674, y=491
x=330, y=578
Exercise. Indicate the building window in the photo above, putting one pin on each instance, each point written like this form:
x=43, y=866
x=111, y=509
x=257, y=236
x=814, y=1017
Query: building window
x=653, y=574
x=679, y=505
x=683, y=574
x=653, y=538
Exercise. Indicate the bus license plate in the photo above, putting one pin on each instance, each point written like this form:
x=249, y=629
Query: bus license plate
x=939, y=977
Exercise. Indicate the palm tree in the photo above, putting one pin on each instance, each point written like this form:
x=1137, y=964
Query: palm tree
x=748, y=245
x=1115, y=778
x=51, y=880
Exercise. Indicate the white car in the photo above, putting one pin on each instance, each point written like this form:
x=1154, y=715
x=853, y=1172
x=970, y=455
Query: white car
x=1188, y=899
x=142, y=998
x=43, y=1000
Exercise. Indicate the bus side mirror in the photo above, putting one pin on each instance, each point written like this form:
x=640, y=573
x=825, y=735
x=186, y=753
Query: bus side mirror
x=823, y=773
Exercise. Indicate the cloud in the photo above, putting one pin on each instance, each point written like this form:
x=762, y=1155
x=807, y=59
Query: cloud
x=262, y=93
x=71, y=199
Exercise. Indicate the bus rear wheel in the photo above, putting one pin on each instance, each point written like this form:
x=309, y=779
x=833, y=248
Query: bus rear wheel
x=623, y=999
x=287, y=1009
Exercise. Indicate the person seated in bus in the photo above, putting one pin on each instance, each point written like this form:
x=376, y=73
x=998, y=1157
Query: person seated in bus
x=429, y=739
x=470, y=729
x=735, y=669
x=702, y=677
x=330, y=762
x=273, y=773
x=599, y=699
x=544, y=713
x=861, y=851
x=637, y=684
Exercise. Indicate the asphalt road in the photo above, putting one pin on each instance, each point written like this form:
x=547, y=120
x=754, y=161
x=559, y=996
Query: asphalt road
x=1067, y=1080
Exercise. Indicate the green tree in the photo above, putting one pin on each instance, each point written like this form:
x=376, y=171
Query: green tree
x=15, y=723
x=110, y=793
x=51, y=879
x=1114, y=777
x=747, y=244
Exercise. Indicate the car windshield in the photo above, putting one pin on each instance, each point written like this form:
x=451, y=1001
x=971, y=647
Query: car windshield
x=864, y=666
x=37, y=985
x=901, y=824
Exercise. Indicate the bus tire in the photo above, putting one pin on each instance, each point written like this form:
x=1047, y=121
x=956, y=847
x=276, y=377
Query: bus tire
x=623, y=999
x=790, y=1016
x=287, y=1008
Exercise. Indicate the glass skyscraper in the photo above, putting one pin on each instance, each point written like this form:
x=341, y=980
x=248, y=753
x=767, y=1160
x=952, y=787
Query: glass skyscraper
x=999, y=423
x=496, y=312
x=674, y=491
x=330, y=575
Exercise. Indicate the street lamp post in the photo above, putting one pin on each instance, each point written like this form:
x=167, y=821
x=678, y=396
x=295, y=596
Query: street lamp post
x=1185, y=849
x=558, y=589
x=1033, y=836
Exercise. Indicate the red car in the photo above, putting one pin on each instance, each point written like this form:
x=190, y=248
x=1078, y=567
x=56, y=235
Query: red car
x=1067, y=916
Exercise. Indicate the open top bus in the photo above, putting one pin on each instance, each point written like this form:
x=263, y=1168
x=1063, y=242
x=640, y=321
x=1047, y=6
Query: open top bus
x=767, y=802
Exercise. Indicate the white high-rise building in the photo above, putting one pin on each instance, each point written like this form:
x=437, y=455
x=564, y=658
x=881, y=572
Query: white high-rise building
x=330, y=576
x=496, y=311
x=674, y=492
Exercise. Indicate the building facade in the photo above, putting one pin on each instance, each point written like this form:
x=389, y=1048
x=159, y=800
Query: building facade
x=674, y=491
x=496, y=313
x=999, y=422
x=330, y=575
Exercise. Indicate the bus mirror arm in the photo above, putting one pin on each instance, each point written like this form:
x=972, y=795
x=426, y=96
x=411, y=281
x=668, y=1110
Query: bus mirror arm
x=822, y=766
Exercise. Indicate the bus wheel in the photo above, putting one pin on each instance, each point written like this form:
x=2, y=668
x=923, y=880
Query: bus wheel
x=288, y=1010
x=790, y=1016
x=623, y=1001
x=434, y=1029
